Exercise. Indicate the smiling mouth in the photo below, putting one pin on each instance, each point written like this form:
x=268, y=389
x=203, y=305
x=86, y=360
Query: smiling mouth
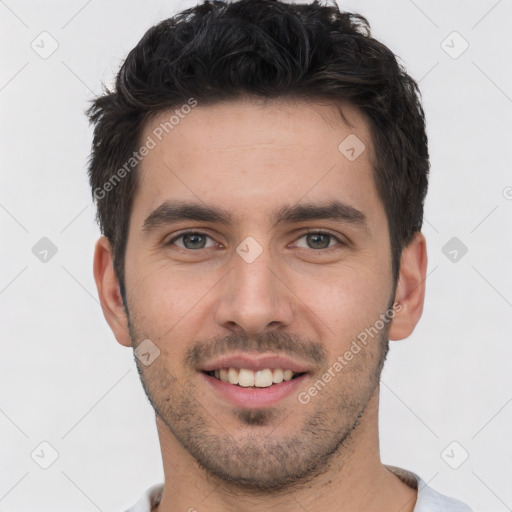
x=246, y=378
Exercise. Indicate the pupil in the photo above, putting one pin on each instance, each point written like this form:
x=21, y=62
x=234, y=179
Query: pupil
x=319, y=240
x=194, y=240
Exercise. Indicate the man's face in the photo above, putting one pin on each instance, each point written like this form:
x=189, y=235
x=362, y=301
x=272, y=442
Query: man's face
x=264, y=284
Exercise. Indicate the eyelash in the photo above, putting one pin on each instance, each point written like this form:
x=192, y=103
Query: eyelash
x=310, y=232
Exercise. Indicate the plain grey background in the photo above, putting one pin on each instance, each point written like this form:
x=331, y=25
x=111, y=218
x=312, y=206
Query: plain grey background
x=64, y=380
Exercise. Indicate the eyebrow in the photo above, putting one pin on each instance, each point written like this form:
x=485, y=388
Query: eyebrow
x=176, y=211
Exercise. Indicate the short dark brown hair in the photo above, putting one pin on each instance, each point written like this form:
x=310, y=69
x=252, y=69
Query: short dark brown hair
x=219, y=51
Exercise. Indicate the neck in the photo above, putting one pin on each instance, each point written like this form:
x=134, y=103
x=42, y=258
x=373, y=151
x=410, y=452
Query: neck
x=355, y=479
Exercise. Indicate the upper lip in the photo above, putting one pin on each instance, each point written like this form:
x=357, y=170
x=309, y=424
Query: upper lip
x=255, y=362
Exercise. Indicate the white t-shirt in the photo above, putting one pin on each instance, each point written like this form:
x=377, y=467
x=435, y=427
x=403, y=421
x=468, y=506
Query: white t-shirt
x=428, y=500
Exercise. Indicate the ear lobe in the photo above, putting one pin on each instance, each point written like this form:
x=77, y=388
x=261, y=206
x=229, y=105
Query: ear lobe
x=410, y=290
x=109, y=292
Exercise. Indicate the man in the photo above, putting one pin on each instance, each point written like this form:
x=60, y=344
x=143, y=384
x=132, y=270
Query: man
x=260, y=170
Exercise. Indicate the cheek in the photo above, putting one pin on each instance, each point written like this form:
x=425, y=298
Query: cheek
x=164, y=299
x=348, y=300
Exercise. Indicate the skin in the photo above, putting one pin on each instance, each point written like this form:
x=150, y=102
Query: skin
x=297, y=297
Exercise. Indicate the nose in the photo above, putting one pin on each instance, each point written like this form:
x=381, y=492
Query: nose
x=254, y=297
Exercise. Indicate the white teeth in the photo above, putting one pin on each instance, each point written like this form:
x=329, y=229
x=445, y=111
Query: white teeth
x=248, y=378
x=288, y=374
x=263, y=378
x=277, y=376
x=233, y=376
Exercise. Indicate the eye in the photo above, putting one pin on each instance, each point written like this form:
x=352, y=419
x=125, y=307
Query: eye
x=319, y=240
x=192, y=240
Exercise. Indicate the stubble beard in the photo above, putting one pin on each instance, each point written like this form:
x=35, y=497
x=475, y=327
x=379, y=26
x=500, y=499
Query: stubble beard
x=277, y=460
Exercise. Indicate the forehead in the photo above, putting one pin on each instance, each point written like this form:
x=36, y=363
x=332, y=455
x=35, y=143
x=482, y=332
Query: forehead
x=255, y=152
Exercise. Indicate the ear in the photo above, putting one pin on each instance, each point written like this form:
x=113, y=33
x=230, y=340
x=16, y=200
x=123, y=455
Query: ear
x=410, y=290
x=109, y=292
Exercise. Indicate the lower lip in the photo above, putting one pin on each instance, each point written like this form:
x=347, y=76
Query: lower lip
x=250, y=398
